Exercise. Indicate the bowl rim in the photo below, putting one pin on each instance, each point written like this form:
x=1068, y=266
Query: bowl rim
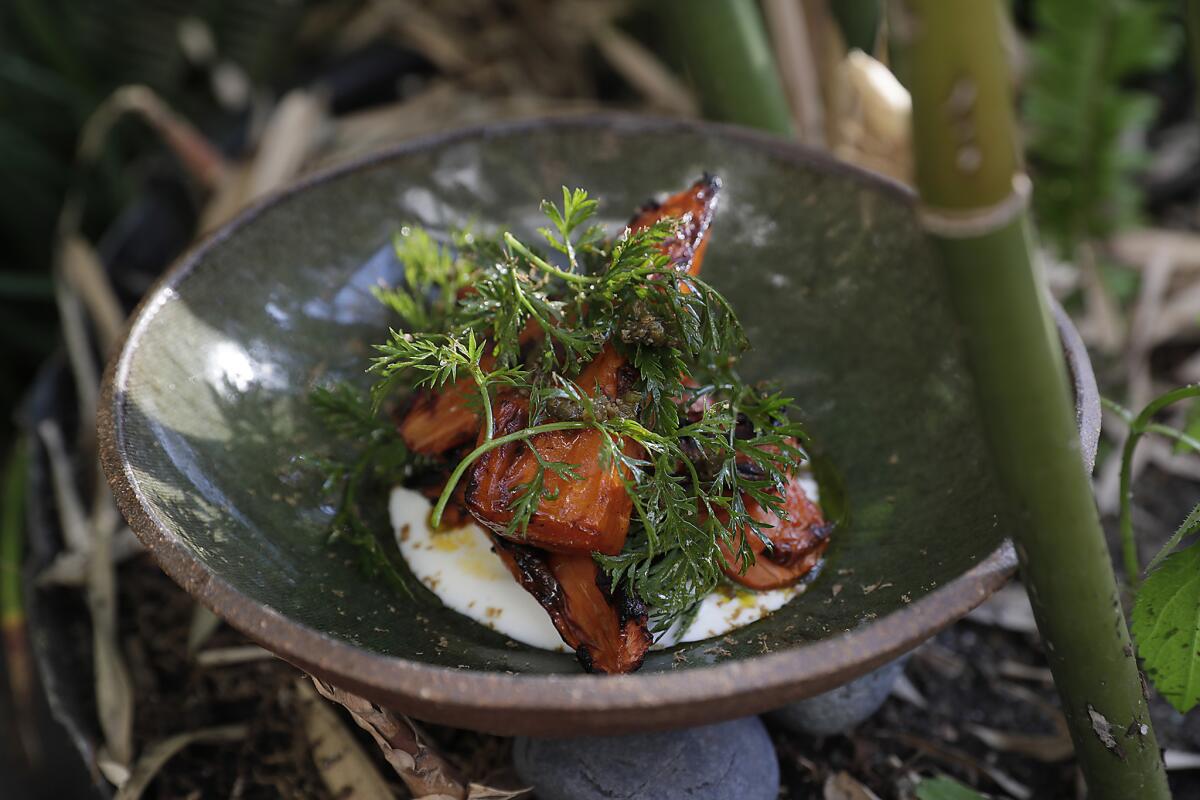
x=545, y=704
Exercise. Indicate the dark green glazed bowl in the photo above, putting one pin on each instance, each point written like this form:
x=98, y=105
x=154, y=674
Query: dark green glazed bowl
x=205, y=414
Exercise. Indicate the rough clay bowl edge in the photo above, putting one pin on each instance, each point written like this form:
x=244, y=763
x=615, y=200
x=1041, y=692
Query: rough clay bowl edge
x=564, y=704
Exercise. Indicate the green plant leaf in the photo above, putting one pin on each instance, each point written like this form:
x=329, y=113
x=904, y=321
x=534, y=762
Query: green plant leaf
x=1166, y=624
x=1187, y=528
x=943, y=788
x=1085, y=122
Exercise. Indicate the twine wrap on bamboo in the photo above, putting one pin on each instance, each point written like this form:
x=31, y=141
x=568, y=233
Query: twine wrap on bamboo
x=974, y=209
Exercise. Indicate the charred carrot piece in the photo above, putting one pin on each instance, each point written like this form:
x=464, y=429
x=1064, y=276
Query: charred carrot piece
x=797, y=543
x=608, y=630
x=588, y=515
x=438, y=422
x=694, y=207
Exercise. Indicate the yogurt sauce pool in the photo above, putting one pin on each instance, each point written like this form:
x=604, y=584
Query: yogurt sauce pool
x=461, y=569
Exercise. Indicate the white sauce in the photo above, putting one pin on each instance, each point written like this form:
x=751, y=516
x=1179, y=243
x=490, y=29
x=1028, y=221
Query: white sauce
x=461, y=569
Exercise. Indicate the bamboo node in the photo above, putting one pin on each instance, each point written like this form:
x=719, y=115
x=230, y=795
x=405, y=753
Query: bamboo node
x=964, y=224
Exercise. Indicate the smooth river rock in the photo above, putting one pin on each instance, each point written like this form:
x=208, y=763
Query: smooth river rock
x=843, y=708
x=716, y=762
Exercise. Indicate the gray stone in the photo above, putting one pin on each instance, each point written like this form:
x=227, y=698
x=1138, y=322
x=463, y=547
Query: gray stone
x=843, y=708
x=715, y=762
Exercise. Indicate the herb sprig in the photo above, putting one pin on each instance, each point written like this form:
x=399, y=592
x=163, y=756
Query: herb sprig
x=344, y=411
x=693, y=444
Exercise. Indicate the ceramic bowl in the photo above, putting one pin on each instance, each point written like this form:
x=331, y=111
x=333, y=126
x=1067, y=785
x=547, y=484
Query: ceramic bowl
x=205, y=420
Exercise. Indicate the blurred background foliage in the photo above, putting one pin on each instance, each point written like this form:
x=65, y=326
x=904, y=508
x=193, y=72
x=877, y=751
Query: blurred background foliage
x=58, y=60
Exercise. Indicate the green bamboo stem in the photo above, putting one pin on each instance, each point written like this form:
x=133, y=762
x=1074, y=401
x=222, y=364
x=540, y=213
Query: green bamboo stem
x=973, y=199
x=726, y=53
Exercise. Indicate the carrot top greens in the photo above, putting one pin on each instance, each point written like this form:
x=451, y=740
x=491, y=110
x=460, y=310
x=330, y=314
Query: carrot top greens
x=708, y=442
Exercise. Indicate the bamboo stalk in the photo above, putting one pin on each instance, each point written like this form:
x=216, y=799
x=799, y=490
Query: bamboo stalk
x=974, y=208
x=726, y=53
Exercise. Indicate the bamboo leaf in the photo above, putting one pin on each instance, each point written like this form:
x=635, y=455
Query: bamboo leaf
x=1166, y=624
x=943, y=788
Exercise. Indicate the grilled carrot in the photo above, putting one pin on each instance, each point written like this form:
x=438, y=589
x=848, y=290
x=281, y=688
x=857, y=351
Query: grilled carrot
x=694, y=208
x=797, y=543
x=606, y=629
x=588, y=515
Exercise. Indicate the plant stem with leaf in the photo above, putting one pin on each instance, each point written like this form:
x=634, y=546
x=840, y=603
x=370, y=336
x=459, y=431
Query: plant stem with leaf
x=974, y=208
x=1139, y=426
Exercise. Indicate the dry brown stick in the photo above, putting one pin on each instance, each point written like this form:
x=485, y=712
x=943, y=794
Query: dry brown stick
x=92, y=534
x=1138, y=247
x=86, y=374
x=81, y=267
x=1101, y=325
x=1139, y=341
x=346, y=768
x=829, y=50
x=160, y=752
x=202, y=161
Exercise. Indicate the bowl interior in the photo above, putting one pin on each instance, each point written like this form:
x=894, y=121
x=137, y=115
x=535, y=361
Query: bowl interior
x=826, y=267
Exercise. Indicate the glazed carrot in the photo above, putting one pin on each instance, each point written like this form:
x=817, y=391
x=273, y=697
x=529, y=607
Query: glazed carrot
x=437, y=422
x=694, y=208
x=797, y=543
x=607, y=630
x=586, y=515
